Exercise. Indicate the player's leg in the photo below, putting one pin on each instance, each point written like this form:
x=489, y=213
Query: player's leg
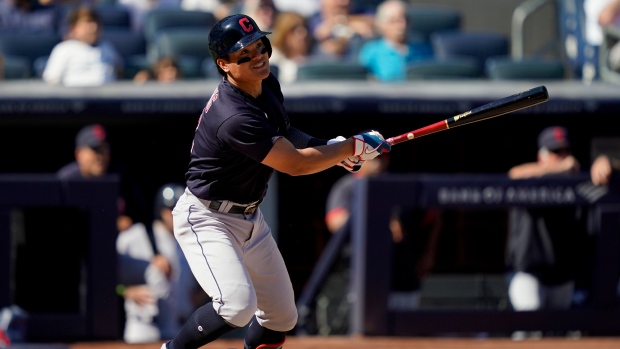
x=559, y=296
x=212, y=243
x=277, y=312
x=524, y=292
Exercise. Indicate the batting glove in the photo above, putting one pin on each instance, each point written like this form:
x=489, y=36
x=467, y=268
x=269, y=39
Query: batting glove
x=336, y=140
x=369, y=145
x=352, y=164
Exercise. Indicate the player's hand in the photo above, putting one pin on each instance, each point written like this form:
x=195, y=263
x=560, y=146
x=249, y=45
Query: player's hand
x=352, y=164
x=601, y=170
x=369, y=145
x=141, y=294
x=160, y=262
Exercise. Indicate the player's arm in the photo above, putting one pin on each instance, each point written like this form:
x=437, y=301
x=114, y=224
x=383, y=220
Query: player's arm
x=602, y=168
x=55, y=66
x=285, y=158
x=542, y=168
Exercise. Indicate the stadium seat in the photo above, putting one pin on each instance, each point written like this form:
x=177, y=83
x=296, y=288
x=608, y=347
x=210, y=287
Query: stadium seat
x=450, y=69
x=479, y=45
x=15, y=68
x=167, y=18
x=27, y=46
x=188, y=45
x=331, y=70
x=507, y=68
x=131, y=46
x=427, y=19
x=113, y=16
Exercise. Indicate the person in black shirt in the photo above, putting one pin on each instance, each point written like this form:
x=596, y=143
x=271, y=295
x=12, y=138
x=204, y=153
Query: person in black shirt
x=93, y=160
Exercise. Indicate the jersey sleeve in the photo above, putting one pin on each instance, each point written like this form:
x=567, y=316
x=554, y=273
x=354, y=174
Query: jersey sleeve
x=249, y=134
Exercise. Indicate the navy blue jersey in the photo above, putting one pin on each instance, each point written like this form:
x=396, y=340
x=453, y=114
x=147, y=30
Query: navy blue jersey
x=234, y=134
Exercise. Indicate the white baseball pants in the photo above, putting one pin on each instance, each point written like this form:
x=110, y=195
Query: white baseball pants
x=237, y=262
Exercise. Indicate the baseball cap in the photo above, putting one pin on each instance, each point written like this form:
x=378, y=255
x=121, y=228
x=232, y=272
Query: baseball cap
x=554, y=138
x=93, y=136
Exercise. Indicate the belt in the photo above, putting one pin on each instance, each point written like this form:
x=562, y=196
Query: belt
x=226, y=206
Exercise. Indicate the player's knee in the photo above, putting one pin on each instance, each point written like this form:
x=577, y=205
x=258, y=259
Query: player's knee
x=283, y=321
x=239, y=311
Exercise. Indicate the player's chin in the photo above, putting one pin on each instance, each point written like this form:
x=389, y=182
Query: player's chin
x=263, y=69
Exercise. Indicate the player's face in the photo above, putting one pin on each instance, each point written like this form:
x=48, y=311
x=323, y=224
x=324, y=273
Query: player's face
x=249, y=64
x=93, y=162
x=86, y=30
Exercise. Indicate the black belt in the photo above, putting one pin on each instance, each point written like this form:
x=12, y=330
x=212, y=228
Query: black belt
x=216, y=205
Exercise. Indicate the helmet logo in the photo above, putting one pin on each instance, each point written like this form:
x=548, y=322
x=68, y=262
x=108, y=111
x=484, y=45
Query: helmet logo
x=243, y=22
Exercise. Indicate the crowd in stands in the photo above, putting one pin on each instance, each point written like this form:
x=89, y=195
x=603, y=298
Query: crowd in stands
x=382, y=37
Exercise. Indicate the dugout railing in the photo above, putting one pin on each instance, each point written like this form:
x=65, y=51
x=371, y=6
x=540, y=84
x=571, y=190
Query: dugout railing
x=371, y=266
x=58, y=256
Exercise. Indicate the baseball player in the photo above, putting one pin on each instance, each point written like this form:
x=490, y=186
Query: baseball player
x=153, y=309
x=243, y=135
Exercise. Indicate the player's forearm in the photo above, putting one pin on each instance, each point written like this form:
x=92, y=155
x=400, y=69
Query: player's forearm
x=285, y=158
x=527, y=170
x=317, y=159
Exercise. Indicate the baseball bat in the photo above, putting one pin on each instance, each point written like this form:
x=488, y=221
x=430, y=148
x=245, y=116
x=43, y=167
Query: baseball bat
x=490, y=110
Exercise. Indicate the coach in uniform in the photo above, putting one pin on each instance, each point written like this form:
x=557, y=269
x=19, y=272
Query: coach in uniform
x=242, y=136
x=546, y=246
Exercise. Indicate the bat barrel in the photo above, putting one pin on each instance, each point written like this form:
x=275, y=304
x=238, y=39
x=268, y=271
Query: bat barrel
x=496, y=108
x=502, y=106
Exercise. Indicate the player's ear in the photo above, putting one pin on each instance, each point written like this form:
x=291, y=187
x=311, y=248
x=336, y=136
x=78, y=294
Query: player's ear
x=221, y=63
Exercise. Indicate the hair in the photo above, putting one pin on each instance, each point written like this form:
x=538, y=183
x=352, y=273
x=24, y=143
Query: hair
x=163, y=63
x=284, y=24
x=384, y=10
x=83, y=13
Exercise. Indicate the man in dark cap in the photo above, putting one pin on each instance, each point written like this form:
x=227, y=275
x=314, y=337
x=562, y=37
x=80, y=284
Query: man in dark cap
x=92, y=160
x=554, y=156
x=546, y=245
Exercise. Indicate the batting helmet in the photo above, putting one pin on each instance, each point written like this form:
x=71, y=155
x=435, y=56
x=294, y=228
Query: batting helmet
x=166, y=197
x=233, y=33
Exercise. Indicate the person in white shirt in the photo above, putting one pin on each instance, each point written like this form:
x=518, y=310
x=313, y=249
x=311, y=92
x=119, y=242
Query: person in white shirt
x=599, y=14
x=156, y=308
x=82, y=59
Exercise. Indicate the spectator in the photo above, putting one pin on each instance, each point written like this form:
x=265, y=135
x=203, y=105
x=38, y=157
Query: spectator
x=82, y=59
x=599, y=14
x=546, y=246
x=156, y=309
x=93, y=160
x=291, y=42
x=338, y=31
x=387, y=56
x=165, y=70
x=28, y=16
x=264, y=13
x=306, y=8
x=219, y=8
